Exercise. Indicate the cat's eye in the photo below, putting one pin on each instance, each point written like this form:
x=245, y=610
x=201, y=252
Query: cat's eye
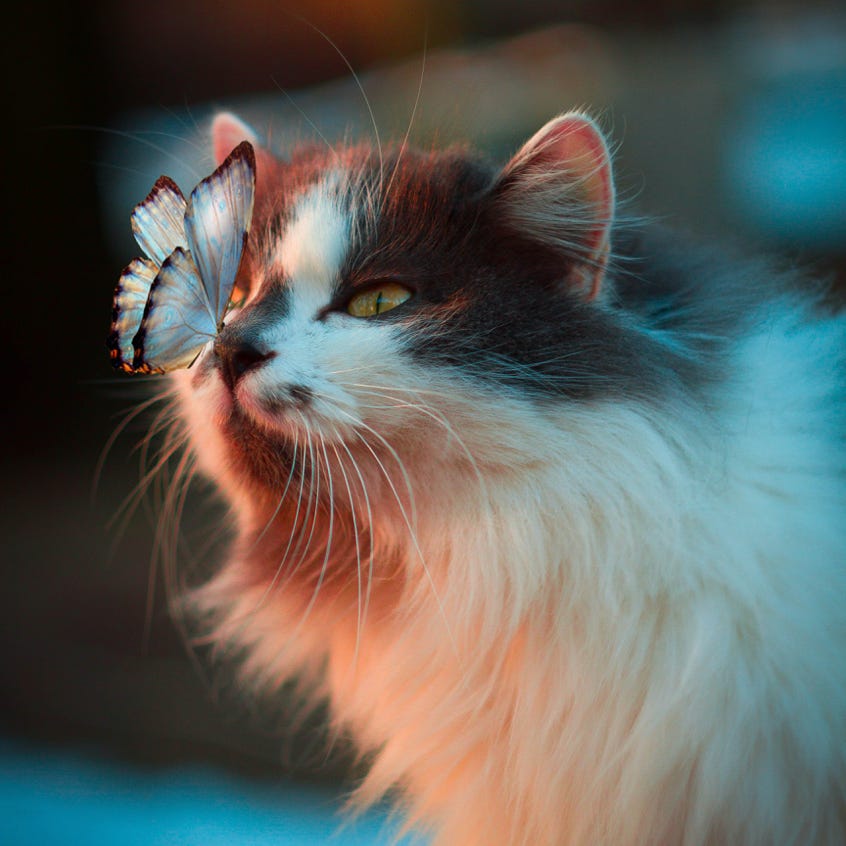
x=237, y=300
x=378, y=299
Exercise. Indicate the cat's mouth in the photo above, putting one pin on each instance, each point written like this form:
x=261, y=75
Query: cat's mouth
x=242, y=398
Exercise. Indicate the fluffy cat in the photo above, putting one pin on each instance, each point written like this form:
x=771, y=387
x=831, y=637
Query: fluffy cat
x=549, y=507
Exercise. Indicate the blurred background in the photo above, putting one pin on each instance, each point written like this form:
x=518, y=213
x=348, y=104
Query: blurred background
x=730, y=118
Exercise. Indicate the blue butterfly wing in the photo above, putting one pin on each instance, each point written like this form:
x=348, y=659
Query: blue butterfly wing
x=217, y=222
x=128, y=309
x=157, y=221
x=177, y=321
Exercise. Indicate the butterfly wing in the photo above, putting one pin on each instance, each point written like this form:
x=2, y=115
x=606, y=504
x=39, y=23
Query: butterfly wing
x=177, y=320
x=168, y=307
x=157, y=221
x=217, y=222
x=128, y=309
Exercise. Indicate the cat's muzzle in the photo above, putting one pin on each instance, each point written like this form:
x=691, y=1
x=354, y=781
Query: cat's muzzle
x=235, y=356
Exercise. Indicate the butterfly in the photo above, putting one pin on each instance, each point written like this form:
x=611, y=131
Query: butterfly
x=169, y=305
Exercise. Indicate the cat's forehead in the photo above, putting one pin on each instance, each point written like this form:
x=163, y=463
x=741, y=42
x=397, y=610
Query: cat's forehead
x=362, y=212
x=315, y=238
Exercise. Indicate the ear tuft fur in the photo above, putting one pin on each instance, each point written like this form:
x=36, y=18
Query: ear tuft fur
x=559, y=190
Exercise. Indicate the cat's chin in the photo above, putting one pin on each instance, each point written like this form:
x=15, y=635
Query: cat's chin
x=258, y=453
x=272, y=415
x=242, y=407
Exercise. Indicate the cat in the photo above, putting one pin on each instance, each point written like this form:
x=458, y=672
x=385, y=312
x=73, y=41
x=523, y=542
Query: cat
x=548, y=504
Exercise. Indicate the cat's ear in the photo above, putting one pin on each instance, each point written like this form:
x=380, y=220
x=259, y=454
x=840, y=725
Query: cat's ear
x=228, y=131
x=559, y=190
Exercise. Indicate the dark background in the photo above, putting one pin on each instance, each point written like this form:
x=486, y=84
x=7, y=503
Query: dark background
x=730, y=118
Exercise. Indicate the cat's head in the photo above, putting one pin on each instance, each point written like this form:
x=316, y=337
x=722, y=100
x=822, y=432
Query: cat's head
x=407, y=315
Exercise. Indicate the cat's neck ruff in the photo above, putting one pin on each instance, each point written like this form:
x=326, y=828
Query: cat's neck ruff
x=524, y=610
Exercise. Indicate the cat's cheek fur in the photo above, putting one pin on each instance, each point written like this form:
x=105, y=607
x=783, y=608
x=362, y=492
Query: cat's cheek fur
x=204, y=406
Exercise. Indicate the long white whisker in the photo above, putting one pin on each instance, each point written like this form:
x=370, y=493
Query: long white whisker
x=191, y=126
x=277, y=572
x=329, y=538
x=415, y=391
x=157, y=552
x=360, y=88
x=413, y=114
x=354, y=518
x=409, y=524
x=425, y=408
x=308, y=120
x=120, y=520
x=304, y=543
x=294, y=533
x=362, y=609
x=165, y=541
x=135, y=136
x=174, y=437
x=116, y=433
x=400, y=464
x=175, y=505
x=284, y=493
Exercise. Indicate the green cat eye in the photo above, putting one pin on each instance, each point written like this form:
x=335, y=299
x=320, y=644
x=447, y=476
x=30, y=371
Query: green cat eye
x=378, y=300
x=237, y=298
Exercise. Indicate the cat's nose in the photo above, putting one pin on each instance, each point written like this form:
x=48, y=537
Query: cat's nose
x=237, y=357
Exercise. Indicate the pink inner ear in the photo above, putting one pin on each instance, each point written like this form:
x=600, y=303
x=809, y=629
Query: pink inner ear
x=227, y=133
x=571, y=155
x=575, y=143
